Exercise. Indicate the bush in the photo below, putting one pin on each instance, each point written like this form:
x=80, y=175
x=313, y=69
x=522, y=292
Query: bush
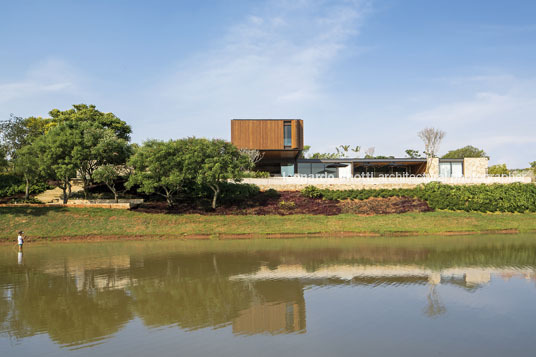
x=313, y=192
x=515, y=197
x=287, y=205
x=11, y=185
x=232, y=193
x=271, y=193
x=256, y=174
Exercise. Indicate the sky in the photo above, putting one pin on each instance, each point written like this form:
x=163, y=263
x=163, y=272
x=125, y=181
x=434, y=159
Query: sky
x=367, y=73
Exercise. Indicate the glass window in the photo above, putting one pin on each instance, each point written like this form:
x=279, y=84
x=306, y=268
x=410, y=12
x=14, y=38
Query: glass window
x=304, y=169
x=317, y=169
x=287, y=135
x=457, y=169
x=450, y=169
x=445, y=169
x=287, y=170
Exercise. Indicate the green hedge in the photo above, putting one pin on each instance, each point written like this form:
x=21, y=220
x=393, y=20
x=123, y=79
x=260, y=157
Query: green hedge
x=11, y=185
x=515, y=197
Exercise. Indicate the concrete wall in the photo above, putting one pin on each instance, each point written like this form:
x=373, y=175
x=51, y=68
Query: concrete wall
x=475, y=167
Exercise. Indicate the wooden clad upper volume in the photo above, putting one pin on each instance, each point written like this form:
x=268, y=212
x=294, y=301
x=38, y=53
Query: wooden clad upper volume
x=265, y=134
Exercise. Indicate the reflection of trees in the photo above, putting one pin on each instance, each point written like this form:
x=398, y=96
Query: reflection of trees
x=192, y=291
x=195, y=291
x=190, y=303
x=193, y=287
x=52, y=304
x=434, y=307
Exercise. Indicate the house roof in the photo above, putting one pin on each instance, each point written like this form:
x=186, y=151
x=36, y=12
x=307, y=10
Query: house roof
x=375, y=161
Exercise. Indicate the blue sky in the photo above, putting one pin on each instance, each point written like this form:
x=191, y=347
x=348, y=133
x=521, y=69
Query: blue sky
x=368, y=73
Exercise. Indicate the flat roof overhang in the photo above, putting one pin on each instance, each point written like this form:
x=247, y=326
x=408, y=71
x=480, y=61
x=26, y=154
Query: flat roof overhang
x=400, y=161
x=280, y=154
x=364, y=161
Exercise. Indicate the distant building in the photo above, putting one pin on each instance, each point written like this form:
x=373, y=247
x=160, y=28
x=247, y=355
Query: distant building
x=280, y=141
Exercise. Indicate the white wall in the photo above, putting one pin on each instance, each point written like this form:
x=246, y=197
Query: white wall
x=346, y=172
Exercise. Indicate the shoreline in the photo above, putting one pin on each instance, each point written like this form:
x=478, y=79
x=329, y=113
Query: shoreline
x=246, y=236
x=91, y=224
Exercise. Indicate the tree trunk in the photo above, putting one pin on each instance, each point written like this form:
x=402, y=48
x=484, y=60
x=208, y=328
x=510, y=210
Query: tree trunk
x=70, y=187
x=169, y=200
x=216, y=190
x=116, y=197
x=27, y=191
x=64, y=189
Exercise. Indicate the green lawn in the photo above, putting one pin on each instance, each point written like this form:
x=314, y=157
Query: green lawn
x=53, y=222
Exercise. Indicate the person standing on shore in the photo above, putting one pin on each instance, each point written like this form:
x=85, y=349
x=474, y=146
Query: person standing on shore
x=20, y=240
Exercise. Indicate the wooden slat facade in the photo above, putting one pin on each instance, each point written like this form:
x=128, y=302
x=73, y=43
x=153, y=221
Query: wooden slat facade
x=265, y=134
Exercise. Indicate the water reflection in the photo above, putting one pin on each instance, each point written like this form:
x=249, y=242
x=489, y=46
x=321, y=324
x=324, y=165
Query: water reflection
x=84, y=294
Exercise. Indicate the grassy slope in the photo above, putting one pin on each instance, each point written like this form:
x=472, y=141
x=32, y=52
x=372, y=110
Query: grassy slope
x=48, y=222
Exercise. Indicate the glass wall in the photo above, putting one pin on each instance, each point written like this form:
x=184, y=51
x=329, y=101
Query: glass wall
x=450, y=169
x=317, y=169
x=287, y=170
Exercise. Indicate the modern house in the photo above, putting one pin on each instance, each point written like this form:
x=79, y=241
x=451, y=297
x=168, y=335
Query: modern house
x=280, y=141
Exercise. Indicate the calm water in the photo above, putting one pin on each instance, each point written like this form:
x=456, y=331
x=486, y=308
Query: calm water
x=447, y=296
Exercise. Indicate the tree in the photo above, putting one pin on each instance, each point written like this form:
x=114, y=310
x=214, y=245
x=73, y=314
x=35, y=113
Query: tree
x=161, y=167
x=533, y=166
x=56, y=155
x=369, y=153
x=467, y=151
x=26, y=164
x=13, y=135
x=98, y=146
x=304, y=151
x=356, y=149
x=413, y=154
x=321, y=155
x=254, y=155
x=3, y=158
x=500, y=169
x=89, y=113
x=219, y=161
x=108, y=174
x=432, y=139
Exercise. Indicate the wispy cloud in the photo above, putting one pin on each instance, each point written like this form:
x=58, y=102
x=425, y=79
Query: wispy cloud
x=478, y=118
x=48, y=76
x=272, y=63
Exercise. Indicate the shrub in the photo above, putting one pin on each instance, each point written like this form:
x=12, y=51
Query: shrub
x=11, y=185
x=287, y=204
x=256, y=174
x=515, y=197
x=271, y=193
x=313, y=192
x=232, y=193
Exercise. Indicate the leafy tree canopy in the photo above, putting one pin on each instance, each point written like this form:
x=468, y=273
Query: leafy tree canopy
x=413, y=154
x=26, y=165
x=89, y=113
x=467, y=151
x=499, y=169
x=162, y=168
x=218, y=162
x=57, y=154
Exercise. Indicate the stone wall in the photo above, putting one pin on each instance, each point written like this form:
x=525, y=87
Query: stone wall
x=432, y=167
x=298, y=183
x=475, y=167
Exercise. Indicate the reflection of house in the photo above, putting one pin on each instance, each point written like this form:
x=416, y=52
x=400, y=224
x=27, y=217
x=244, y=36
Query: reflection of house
x=281, y=143
x=97, y=273
x=273, y=318
x=465, y=276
